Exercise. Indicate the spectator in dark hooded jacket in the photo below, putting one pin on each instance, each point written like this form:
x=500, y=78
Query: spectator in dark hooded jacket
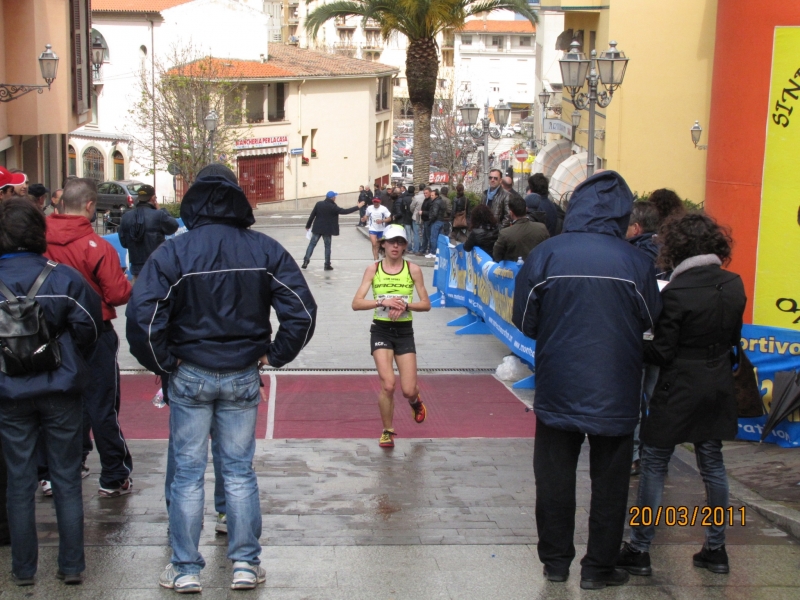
x=538, y=201
x=642, y=228
x=143, y=229
x=201, y=312
x=587, y=297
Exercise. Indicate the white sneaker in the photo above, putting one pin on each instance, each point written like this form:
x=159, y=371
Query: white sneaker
x=247, y=576
x=47, y=489
x=430, y=256
x=183, y=584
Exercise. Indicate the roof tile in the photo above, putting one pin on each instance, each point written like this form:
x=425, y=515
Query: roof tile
x=135, y=5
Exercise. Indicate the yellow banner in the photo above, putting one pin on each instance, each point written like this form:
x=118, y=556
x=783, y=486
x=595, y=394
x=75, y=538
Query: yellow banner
x=777, y=291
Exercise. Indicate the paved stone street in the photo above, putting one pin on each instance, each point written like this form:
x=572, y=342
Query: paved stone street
x=443, y=518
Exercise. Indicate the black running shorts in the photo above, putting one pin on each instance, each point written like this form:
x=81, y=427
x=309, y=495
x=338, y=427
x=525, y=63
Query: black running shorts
x=399, y=338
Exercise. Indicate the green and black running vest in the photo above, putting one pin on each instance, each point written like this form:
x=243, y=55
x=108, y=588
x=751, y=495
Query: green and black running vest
x=387, y=286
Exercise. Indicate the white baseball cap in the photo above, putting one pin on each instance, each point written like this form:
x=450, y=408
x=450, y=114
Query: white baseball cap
x=394, y=231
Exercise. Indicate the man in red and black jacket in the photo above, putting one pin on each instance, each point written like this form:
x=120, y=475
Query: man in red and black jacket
x=71, y=240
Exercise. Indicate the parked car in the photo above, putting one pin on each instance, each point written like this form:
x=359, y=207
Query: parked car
x=117, y=194
x=397, y=174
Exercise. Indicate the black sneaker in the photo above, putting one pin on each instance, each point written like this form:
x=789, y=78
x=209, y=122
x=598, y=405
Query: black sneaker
x=715, y=561
x=616, y=577
x=328, y=267
x=305, y=264
x=636, y=468
x=554, y=576
x=633, y=561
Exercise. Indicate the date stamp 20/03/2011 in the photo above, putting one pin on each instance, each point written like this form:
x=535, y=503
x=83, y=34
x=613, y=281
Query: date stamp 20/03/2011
x=683, y=516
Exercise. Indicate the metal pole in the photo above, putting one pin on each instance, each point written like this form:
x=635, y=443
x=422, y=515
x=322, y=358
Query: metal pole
x=486, y=146
x=296, y=177
x=592, y=103
x=211, y=149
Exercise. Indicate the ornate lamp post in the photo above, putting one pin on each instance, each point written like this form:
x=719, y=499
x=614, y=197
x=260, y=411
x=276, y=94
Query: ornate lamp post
x=48, y=64
x=210, y=122
x=544, y=99
x=608, y=69
x=98, y=56
x=469, y=114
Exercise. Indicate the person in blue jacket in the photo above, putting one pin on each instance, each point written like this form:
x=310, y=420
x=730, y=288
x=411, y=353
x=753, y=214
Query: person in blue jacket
x=47, y=403
x=587, y=297
x=200, y=312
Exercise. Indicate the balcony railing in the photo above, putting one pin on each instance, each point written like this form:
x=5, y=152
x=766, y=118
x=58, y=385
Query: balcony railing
x=344, y=23
x=372, y=24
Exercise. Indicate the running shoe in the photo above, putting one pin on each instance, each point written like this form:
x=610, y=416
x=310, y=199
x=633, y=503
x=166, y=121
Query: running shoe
x=419, y=411
x=183, y=584
x=247, y=576
x=47, y=489
x=125, y=488
x=222, y=523
x=70, y=578
x=386, y=440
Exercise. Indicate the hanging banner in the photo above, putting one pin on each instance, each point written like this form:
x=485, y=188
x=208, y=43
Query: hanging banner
x=777, y=285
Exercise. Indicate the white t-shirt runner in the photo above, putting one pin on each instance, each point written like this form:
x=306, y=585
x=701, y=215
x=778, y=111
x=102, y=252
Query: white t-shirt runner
x=375, y=213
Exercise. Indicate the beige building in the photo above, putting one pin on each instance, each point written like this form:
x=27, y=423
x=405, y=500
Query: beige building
x=334, y=112
x=644, y=132
x=34, y=126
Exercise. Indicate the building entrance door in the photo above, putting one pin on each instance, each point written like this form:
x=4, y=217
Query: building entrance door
x=261, y=177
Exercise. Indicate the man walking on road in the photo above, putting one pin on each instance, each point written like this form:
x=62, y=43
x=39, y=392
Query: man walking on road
x=201, y=312
x=71, y=240
x=586, y=296
x=323, y=223
x=143, y=229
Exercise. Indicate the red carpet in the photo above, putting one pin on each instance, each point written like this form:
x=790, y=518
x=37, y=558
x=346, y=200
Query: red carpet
x=345, y=406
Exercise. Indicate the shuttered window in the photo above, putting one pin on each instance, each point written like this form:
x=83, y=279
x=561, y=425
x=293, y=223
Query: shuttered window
x=81, y=42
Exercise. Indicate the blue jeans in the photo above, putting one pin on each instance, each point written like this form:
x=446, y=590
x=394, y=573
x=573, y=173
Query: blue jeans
x=312, y=243
x=651, y=486
x=61, y=420
x=219, y=480
x=200, y=400
x=410, y=235
x=436, y=229
x=415, y=241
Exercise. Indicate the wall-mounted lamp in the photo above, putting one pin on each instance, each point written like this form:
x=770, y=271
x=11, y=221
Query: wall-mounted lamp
x=697, y=131
x=48, y=64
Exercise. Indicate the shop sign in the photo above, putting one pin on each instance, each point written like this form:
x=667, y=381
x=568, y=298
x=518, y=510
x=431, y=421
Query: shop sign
x=264, y=142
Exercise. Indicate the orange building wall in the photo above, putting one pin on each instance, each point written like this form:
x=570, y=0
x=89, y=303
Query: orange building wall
x=737, y=130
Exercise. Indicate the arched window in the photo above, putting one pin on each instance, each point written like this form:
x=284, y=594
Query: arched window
x=119, y=166
x=72, y=161
x=94, y=166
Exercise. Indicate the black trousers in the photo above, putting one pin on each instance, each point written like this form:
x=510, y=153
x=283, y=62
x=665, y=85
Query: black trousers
x=555, y=461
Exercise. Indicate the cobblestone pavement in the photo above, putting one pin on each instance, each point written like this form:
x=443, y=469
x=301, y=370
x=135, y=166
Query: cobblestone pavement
x=448, y=518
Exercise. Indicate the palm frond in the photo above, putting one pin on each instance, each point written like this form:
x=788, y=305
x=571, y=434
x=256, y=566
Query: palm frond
x=326, y=12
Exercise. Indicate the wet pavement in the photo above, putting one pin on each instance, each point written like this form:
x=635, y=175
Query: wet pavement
x=445, y=518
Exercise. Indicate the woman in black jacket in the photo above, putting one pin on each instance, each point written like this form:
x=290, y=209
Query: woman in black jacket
x=45, y=402
x=694, y=399
x=460, y=205
x=483, y=230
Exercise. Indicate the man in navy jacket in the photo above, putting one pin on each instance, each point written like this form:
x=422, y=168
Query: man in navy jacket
x=587, y=297
x=200, y=311
x=323, y=223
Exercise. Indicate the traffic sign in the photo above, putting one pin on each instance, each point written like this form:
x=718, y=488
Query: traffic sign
x=295, y=151
x=521, y=155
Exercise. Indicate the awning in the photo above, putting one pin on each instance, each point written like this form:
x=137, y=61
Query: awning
x=262, y=151
x=568, y=175
x=101, y=135
x=552, y=155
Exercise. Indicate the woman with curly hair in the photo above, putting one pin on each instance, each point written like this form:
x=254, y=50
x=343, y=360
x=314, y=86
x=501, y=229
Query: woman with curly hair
x=694, y=399
x=668, y=204
x=483, y=230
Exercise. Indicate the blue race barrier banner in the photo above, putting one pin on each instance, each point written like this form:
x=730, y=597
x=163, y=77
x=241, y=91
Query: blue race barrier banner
x=473, y=280
x=486, y=288
x=771, y=349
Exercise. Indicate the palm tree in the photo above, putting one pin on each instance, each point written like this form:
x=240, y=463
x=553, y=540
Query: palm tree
x=420, y=21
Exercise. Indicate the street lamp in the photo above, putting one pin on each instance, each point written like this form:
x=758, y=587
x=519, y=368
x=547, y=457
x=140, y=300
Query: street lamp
x=544, y=99
x=211, y=121
x=501, y=112
x=577, y=69
x=576, y=121
x=98, y=55
x=469, y=114
x=697, y=131
x=48, y=64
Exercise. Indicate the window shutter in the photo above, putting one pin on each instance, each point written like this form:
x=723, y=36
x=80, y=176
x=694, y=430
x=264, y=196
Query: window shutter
x=81, y=71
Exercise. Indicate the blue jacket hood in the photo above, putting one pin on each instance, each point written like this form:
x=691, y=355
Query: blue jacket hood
x=601, y=204
x=214, y=199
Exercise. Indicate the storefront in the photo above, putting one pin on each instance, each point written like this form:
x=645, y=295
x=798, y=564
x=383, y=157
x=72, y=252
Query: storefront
x=260, y=164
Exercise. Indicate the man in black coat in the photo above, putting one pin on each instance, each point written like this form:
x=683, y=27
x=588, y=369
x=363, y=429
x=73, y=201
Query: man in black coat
x=365, y=196
x=323, y=223
x=144, y=229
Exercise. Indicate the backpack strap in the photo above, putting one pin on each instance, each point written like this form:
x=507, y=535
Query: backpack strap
x=40, y=280
x=11, y=297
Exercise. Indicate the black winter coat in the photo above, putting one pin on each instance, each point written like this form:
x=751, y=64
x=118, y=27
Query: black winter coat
x=142, y=230
x=324, y=219
x=426, y=209
x=482, y=237
x=694, y=399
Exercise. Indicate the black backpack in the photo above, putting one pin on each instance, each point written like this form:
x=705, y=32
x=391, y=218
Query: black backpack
x=25, y=340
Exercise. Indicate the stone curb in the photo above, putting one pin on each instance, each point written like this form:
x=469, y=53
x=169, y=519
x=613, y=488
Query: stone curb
x=785, y=518
x=417, y=260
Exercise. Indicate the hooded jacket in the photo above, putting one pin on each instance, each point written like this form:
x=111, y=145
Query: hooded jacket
x=72, y=311
x=536, y=203
x=71, y=240
x=647, y=244
x=142, y=230
x=205, y=296
x=587, y=297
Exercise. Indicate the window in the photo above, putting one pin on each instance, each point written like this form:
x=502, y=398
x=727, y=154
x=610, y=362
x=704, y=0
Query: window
x=72, y=161
x=524, y=40
x=276, y=101
x=447, y=58
x=119, y=166
x=497, y=40
x=466, y=40
x=94, y=166
x=383, y=95
x=494, y=87
x=304, y=158
x=81, y=72
x=313, y=148
x=254, y=101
